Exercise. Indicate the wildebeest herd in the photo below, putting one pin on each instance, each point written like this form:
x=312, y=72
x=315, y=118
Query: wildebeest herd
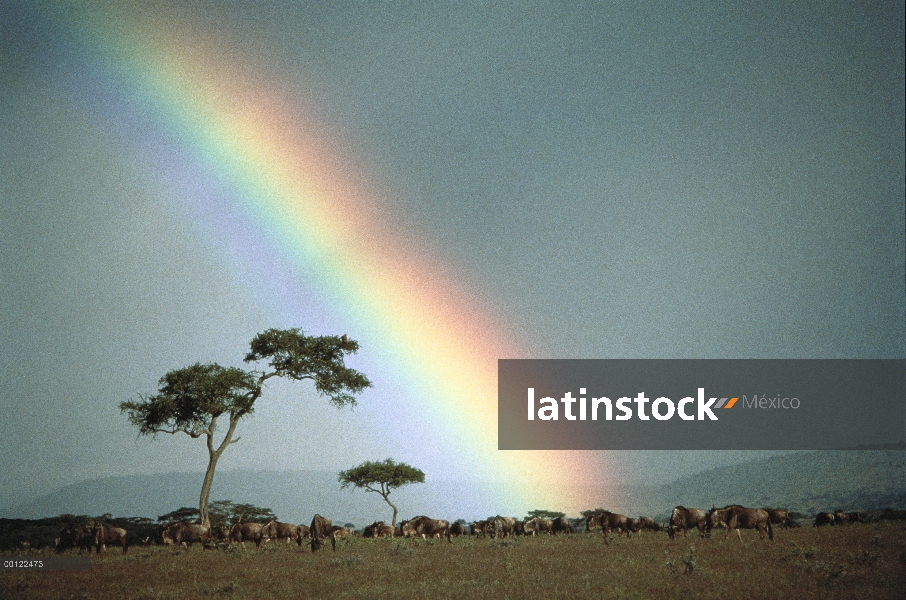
x=315, y=535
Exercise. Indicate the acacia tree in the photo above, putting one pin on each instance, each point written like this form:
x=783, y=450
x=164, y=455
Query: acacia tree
x=544, y=514
x=193, y=400
x=381, y=478
x=221, y=513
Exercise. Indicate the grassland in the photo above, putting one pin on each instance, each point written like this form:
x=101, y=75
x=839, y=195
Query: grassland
x=862, y=561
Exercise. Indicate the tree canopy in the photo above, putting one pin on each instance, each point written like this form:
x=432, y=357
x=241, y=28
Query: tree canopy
x=544, y=514
x=381, y=478
x=221, y=513
x=191, y=400
x=180, y=514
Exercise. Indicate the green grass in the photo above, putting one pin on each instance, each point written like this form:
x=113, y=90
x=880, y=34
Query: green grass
x=862, y=561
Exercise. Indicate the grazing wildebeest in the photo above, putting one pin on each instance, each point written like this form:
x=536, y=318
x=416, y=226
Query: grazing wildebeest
x=457, y=529
x=840, y=517
x=304, y=532
x=75, y=536
x=519, y=529
x=321, y=528
x=502, y=527
x=380, y=529
x=240, y=532
x=608, y=521
x=478, y=528
x=186, y=534
x=738, y=517
x=824, y=518
x=104, y=535
x=561, y=525
x=218, y=535
x=426, y=527
x=855, y=517
x=340, y=532
x=684, y=519
x=779, y=517
x=648, y=524
x=633, y=525
x=537, y=525
x=282, y=531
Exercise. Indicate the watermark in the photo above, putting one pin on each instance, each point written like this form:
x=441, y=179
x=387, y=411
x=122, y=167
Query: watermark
x=43, y=563
x=662, y=408
x=700, y=404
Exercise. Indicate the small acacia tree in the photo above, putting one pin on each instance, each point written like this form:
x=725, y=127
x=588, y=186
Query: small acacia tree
x=381, y=478
x=193, y=400
x=544, y=514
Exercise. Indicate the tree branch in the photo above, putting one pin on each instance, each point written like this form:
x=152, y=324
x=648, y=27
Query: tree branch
x=228, y=438
x=210, y=433
x=171, y=431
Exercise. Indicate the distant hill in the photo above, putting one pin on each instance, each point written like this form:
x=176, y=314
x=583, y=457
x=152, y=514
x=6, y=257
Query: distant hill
x=293, y=496
x=803, y=482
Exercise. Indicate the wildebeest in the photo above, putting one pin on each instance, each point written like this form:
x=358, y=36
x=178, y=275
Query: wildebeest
x=780, y=517
x=502, y=527
x=339, y=532
x=186, y=534
x=519, y=529
x=242, y=532
x=561, y=525
x=739, y=517
x=457, y=529
x=73, y=536
x=824, y=518
x=426, y=527
x=648, y=524
x=104, y=535
x=478, y=528
x=321, y=528
x=282, y=531
x=684, y=519
x=855, y=517
x=633, y=525
x=842, y=518
x=379, y=529
x=304, y=532
x=608, y=521
x=537, y=525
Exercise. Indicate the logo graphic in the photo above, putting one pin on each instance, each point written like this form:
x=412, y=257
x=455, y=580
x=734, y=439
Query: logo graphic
x=662, y=408
x=729, y=404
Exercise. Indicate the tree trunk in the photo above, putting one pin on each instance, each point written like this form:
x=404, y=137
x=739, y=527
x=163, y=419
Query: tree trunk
x=206, y=489
x=213, y=457
x=387, y=500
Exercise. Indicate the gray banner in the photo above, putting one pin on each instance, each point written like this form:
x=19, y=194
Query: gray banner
x=701, y=404
x=44, y=563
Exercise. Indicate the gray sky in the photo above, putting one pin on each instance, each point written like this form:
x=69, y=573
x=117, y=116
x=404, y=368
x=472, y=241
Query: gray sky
x=710, y=180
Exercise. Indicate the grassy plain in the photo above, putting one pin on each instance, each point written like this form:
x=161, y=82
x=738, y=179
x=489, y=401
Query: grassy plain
x=861, y=561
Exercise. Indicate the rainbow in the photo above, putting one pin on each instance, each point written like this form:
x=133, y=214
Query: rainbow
x=294, y=187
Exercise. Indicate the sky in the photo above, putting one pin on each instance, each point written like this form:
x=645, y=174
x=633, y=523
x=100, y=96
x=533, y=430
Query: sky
x=448, y=184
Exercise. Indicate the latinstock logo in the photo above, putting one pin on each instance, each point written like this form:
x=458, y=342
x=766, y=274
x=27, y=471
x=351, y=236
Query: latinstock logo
x=661, y=409
x=673, y=404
